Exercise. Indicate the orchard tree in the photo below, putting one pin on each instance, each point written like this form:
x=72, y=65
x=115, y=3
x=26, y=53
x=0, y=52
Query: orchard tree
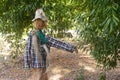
x=15, y=20
x=16, y=16
x=101, y=29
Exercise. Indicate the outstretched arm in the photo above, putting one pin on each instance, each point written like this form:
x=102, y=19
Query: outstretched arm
x=60, y=44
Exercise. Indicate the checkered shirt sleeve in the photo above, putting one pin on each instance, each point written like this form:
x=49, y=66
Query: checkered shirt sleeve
x=52, y=42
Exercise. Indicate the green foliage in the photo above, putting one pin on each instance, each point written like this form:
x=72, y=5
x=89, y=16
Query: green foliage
x=17, y=45
x=102, y=76
x=101, y=21
x=16, y=16
x=61, y=14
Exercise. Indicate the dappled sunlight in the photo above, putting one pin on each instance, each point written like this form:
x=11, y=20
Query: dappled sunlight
x=58, y=73
x=4, y=47
x=66, y=66
x=56, y=77
x=56, y=70
x=4, y=56
x=80, y=64
x=90, y=69
x=5, y=53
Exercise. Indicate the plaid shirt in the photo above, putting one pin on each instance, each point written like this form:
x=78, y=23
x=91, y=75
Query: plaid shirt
x=31, y=59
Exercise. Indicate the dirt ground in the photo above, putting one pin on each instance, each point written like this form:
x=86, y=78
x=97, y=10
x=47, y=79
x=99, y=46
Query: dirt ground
x=63, y=66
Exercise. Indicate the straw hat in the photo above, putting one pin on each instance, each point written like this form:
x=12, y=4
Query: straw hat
x=39, y=14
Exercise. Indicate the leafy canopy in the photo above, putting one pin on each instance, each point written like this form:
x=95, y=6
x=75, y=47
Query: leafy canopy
x=101, y=28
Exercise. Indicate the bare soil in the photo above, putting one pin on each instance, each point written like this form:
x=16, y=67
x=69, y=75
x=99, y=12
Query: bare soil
x=63, y=66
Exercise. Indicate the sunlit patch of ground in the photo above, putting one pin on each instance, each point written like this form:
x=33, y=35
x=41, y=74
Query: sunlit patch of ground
x=66, y=66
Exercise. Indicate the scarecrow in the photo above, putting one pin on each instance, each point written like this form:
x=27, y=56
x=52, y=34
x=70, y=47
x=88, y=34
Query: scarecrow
x=38, y=45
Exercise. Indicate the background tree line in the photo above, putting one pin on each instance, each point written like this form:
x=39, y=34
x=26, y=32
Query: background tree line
x=96, y=21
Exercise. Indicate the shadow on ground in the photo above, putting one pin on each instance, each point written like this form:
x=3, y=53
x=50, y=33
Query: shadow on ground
x=63, y=66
